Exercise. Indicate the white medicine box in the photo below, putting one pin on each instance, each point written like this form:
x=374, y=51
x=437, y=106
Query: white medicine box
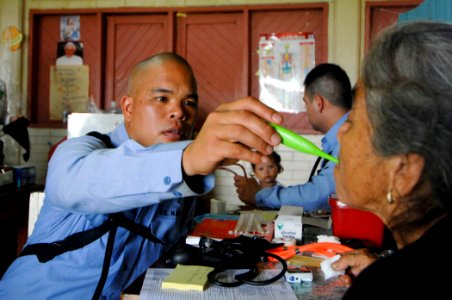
x=288, y=227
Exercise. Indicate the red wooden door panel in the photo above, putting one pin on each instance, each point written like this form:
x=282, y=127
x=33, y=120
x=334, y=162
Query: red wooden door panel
x=220, y=43
x=43, y=48
x=49, y=34
x=131, y=39
x=380, y=15
x=309, y=19
x=213, y=45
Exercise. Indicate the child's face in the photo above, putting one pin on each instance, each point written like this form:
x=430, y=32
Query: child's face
x=266, y=172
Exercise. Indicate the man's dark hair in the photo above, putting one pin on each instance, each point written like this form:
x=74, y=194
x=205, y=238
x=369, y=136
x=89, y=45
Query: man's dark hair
x=332, y=83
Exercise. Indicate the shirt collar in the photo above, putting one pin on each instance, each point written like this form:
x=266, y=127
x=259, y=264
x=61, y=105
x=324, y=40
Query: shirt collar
x=330, y=138
x=119, y=135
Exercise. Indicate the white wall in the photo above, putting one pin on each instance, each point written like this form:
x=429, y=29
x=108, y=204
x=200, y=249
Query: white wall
x=10, y=71
x=41, y=139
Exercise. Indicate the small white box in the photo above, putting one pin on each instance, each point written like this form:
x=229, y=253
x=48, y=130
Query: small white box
x=290, y=210
x=288, y=227
x=298, y=274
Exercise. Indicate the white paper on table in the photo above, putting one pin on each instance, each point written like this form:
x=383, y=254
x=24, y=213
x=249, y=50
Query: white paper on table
x=277, y=290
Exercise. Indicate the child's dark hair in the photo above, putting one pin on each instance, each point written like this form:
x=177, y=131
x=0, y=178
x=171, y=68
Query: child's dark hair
x=276, y=158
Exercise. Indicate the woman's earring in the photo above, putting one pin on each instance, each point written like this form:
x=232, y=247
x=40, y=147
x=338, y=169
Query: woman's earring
x=389, y=197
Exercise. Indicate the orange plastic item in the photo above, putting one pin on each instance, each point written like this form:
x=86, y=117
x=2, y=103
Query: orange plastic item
x=321, y=249
x=214, y=228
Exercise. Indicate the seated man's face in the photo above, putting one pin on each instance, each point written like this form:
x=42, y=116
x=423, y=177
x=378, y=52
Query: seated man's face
x=162, y=107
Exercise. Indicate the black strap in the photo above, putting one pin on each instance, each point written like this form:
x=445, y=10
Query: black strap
x=248, y=277
x=324, y=162
x=103, y=137
x=314, y=168
x=48, y=251
x=136, y=228
x=106, y=263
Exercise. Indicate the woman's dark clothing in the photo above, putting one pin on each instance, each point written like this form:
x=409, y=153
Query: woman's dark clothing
x=421, y=270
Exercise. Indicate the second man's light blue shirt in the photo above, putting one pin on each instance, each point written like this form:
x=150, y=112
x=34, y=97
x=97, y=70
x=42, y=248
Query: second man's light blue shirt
x=312, y=195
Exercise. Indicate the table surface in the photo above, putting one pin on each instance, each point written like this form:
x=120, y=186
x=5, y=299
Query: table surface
x=319, y=288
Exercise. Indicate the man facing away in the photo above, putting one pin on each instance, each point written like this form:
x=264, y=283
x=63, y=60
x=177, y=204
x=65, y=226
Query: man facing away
x=143, y=175
x=328, y=98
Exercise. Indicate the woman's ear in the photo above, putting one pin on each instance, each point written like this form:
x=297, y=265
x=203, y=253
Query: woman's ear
x=406, y=171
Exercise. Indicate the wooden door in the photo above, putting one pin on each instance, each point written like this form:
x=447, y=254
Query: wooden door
x=380, y=15
x=130, y=39
x=219, y=42
x=213, y=45
x=44, y=36
x=308, y=19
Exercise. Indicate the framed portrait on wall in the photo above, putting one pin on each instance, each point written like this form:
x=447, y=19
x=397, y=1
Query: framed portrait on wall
x=284, y=61
x=69, y=53
x=70, y=28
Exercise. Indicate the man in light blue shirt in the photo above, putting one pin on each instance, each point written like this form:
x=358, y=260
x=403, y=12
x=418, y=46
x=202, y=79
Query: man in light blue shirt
x=328, y=98
x=143, y=172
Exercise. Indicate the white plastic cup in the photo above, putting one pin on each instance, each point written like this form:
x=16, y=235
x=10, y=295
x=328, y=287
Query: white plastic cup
x=217, y=207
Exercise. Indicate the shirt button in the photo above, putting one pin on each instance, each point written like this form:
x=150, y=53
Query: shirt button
x=167, y=180
x=177, y=194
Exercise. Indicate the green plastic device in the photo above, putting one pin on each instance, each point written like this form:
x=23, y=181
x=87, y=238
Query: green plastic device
x=301, y=144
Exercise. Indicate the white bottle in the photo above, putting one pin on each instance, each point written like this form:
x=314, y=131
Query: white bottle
x=113, y=109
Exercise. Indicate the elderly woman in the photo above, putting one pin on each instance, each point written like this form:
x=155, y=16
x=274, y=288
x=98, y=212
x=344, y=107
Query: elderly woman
x=395, y=161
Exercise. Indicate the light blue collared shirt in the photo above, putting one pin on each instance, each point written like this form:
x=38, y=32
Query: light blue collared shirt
x=313, y=194
x=85, y=182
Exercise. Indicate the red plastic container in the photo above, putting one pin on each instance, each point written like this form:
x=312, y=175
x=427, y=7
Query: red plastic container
x=351, y=223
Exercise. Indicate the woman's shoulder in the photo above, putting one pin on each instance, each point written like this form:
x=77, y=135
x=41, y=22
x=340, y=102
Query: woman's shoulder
x=409, y=272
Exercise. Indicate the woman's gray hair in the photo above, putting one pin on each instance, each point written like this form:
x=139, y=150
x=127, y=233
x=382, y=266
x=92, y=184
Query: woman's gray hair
x=407, y=77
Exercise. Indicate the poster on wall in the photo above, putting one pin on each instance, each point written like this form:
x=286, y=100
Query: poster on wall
x=284, y=61
x=70, y=28
x=69, y=53
x=69, y=88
